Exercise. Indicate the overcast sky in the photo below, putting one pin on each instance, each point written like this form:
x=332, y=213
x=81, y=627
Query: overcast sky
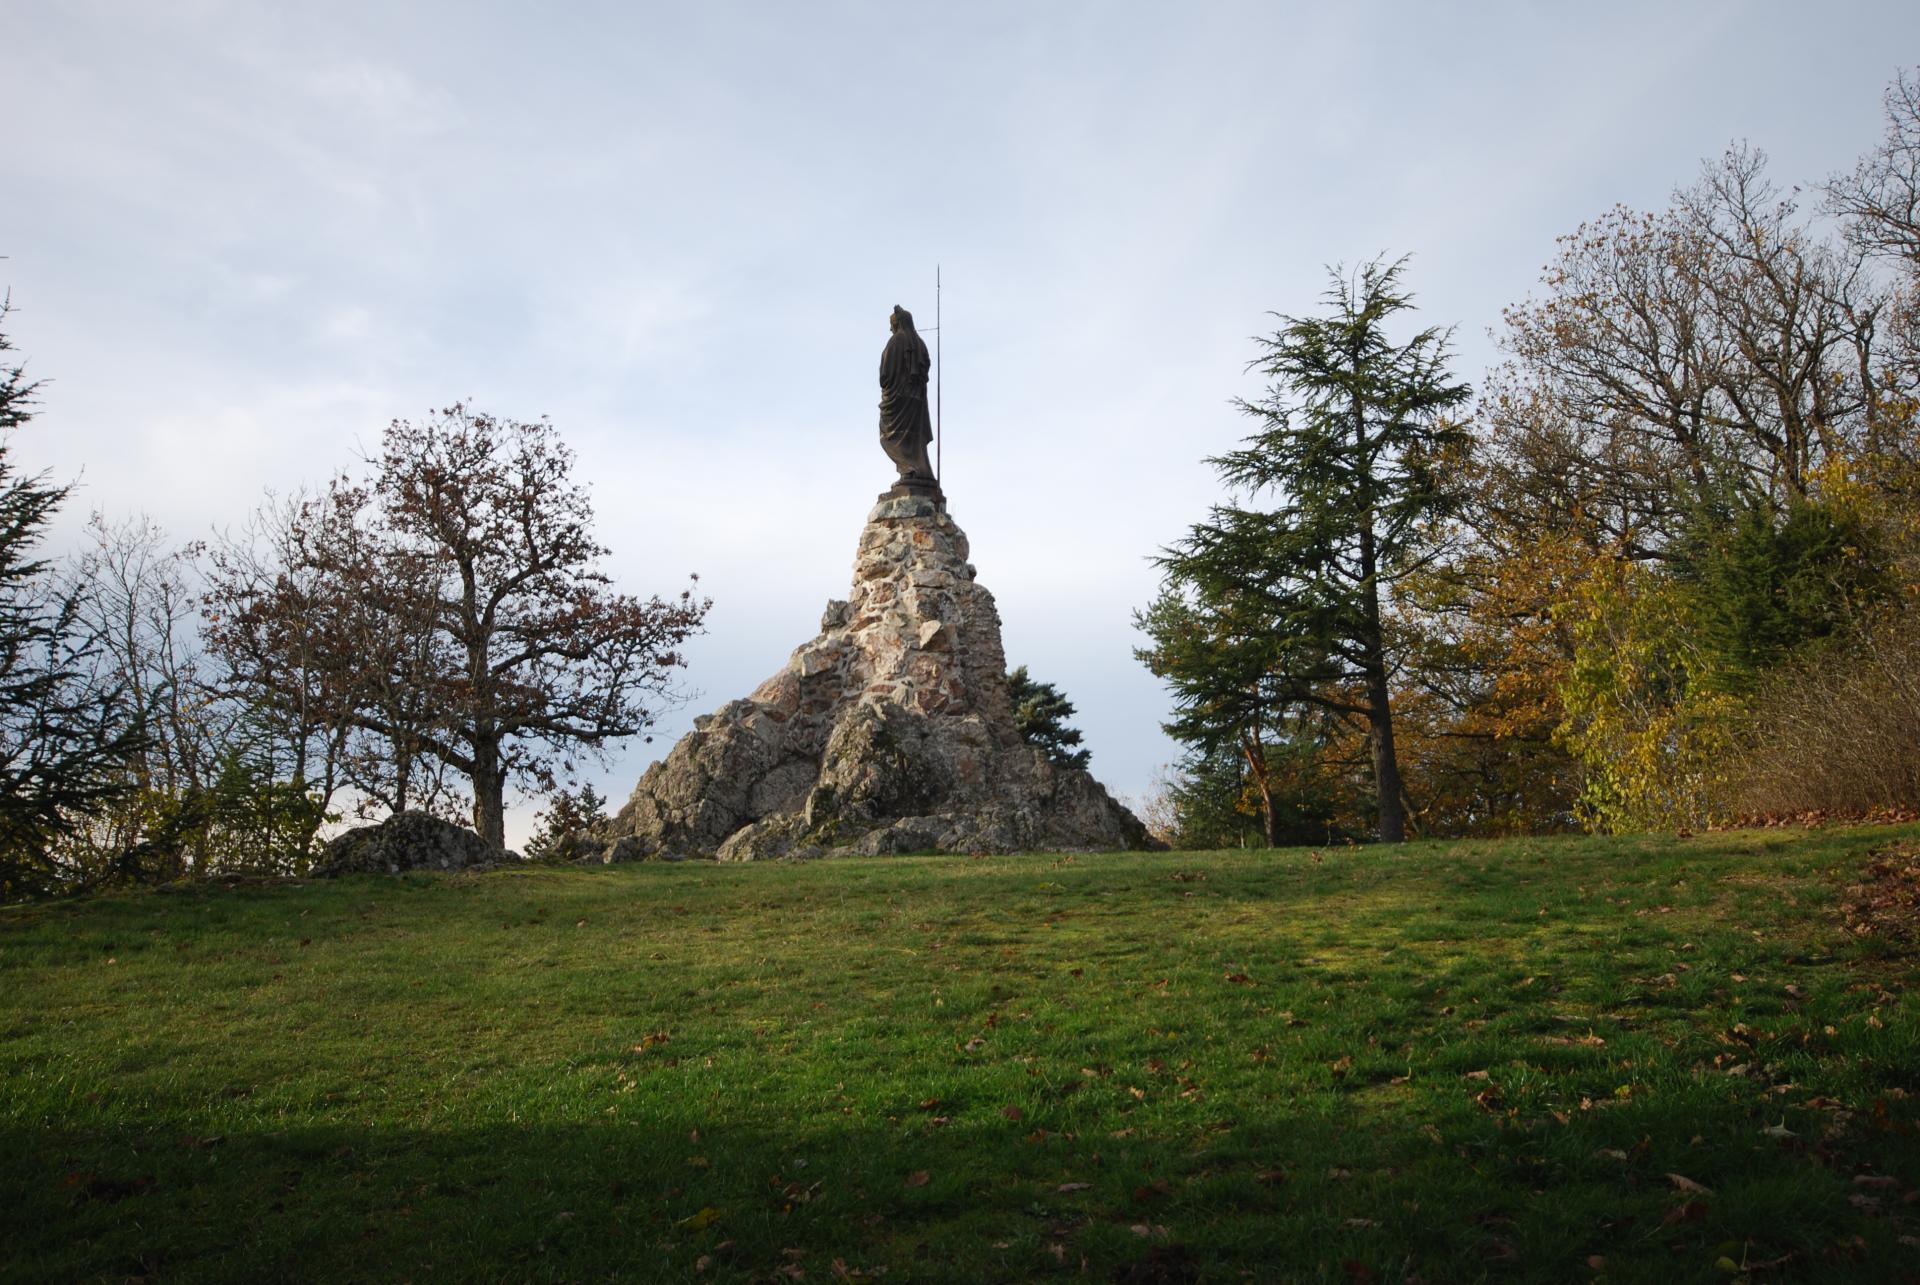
x=241, y=238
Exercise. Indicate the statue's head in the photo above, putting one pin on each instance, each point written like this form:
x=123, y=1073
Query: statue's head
x=900, y=320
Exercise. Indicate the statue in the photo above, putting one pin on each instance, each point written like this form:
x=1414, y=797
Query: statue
x=905, y=426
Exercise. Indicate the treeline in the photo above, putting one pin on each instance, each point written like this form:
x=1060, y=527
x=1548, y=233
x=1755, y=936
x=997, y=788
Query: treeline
x=1658, y=572
x=421, y=635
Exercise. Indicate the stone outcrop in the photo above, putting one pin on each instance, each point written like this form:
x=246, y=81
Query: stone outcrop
x=407, y=841
x=890, y=732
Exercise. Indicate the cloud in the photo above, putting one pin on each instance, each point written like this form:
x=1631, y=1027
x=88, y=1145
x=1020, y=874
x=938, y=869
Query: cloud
x=385, y=98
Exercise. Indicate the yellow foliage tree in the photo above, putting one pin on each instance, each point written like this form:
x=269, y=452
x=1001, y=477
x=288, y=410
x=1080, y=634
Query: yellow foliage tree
x=1642, y=711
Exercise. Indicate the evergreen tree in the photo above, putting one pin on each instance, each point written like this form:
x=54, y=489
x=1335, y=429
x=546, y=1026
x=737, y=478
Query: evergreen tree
x=1041, y=711
x=65, y=736
x=1355, y=449
x=1769, y=580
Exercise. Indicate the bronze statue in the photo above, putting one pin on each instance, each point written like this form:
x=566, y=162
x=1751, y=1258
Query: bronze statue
x=905, y=426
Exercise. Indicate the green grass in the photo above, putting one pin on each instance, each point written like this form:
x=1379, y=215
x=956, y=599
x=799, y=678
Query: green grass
x=1447, y=1062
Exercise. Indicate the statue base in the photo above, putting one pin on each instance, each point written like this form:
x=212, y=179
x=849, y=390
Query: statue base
x=918, y=488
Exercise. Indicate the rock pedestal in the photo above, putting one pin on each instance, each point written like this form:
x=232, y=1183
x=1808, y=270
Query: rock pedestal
x=890, y=732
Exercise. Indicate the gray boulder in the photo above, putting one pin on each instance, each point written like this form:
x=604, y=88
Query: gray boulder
x=407, y=841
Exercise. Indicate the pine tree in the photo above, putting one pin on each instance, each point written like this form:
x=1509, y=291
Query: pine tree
x=1041, y=711
x=65, y=737
x=1266, y=611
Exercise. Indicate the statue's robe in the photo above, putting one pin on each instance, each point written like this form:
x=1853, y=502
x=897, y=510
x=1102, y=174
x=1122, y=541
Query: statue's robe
x=905, y=426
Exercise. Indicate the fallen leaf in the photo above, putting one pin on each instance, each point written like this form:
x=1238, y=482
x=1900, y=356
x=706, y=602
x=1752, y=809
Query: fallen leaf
x=1691, y=1212
x=1361, y=1222
x=1012, y=1113
x=707, y=1217
x=1073, y=1186
x=919, y=1178
x=1688, y=1185
x=1880, y=1181
x=1158, y=1189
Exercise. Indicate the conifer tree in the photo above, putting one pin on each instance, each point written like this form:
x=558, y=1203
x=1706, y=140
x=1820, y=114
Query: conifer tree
x=65, y=736
x=1267, y=610
x=1041, y=711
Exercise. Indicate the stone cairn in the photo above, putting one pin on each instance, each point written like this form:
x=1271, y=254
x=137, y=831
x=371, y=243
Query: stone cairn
x=890, y=732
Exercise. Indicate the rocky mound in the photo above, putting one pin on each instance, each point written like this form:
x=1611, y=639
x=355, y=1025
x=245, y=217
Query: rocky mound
x=407, y=841
x=890, y=732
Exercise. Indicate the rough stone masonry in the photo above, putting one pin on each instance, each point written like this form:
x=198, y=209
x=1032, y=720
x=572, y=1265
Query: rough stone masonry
x=890, y=732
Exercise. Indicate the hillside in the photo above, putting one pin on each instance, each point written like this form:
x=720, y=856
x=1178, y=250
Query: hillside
x=1540, y=1059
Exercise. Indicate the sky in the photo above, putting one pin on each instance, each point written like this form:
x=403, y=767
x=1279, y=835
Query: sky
x=242, y=238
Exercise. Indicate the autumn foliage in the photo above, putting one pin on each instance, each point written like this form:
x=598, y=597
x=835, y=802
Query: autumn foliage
x=449, y=612
x=1680, y=582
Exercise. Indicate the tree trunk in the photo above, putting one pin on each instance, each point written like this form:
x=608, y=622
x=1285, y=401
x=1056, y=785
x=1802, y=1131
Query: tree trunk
x=489, y=793
x=402, y=775
x=1386, y=767
x=1256, y=755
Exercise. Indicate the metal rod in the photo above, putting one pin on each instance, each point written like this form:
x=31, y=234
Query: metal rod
x=938, y=441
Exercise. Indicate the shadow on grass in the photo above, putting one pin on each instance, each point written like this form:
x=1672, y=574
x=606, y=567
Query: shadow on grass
x=1373, y=1194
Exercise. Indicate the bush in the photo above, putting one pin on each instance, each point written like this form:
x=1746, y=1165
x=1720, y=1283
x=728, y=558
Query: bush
x=1840, y=733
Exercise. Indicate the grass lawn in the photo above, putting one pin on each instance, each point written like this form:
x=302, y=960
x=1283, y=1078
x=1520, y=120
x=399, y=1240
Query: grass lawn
x=1560, y=1060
